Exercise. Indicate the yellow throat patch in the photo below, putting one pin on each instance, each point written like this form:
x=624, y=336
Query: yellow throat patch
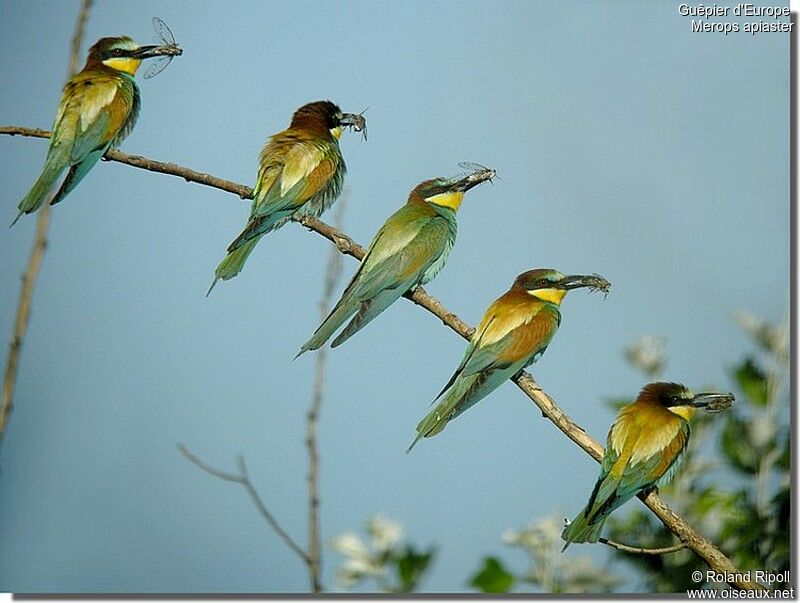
x=450, y=200
x=687, y=412
x=126, y=64
x=552, y=295
x=336, y=132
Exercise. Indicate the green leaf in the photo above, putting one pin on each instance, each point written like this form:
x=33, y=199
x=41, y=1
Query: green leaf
x=736, y=445
x=492, y=577
x=411, y=566
x=752, y=381
x=785, y=459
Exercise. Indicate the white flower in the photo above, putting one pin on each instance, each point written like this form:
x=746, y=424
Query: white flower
x=385, y=532
x=647, y=354
x=511, y=537
x=360, y=566
x=548, y=568
x=364, y=561
x=549, y=529
x=761, y=429
x=768, y=336
x=350, y=545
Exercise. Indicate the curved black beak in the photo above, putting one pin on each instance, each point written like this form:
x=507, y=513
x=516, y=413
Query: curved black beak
x=592, y=281
x=712, y=402
x=147, y=52
x=474, y=179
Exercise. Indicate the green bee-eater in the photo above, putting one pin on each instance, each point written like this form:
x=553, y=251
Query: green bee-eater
x=98, y=109
x=643, y=451
x=409, y=250
x=301, y=171
x=513, y=333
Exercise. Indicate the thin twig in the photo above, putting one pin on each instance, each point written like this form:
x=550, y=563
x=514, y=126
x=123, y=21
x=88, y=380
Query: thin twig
x=644, y=551
x=23, y=315
x=77, y=37
x=685, y=533
x=31, y=274
x=332, y=271
x=244, y=479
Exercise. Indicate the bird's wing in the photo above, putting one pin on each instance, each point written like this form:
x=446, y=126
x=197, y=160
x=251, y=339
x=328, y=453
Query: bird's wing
x=402, y=250
x=132, y=97
x=507, y=336
x=407, y=243
x=65, y=126
x=605, y=481
x=636, y=458
x=104, y=107
x=76, y=173
x=389, y=276
x=98, y=112
x=645, y=471
x=58, y=154
x=291, y=174
x=366, y=312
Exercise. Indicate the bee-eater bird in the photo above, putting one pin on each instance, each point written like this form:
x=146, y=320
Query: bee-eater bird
x=513, y=333
x=643, y=451
x=301, y=173
x=98, y=109
x=409, y=250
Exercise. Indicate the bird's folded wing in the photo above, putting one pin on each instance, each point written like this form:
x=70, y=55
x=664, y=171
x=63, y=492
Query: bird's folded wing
x=646, y=471
x=504, y=341
x=104, y=106
x=92, y=139
x=398, y=255
x=374, y=274
x=291, y=177
x=511, y=338
x=636, y=463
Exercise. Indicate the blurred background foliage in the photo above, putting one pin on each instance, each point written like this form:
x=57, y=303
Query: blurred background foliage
x=548, y=570
x=385, y=559
x=733, y=487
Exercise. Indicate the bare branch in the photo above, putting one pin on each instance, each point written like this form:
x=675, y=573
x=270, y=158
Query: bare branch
x=697, y=543
x=31, y=274
x=244, y=479
x=172, y=169
x=23, y=315
x=644, y=551
x=332, y=272
x=224, y=475
x=77, y=37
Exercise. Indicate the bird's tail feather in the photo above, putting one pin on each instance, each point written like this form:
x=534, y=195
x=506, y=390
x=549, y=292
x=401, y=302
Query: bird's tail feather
x=233, y=263
x=368, y=310
x=436, y=420
x=343, y=310
x=583, y=529
x=76, y=174
x=41, y=189
x=428, y=428
x=258, y=227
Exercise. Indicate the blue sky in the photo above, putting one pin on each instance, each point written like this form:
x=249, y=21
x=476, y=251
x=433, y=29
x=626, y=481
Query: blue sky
x=626, y=145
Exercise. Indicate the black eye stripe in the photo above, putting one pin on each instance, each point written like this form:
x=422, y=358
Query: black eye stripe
x=436, y=190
